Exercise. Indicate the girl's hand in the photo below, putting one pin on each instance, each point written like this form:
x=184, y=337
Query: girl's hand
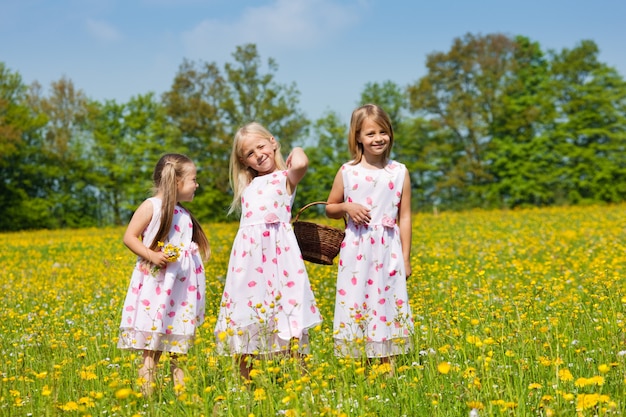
x=297, y=165
x=407, y=269
x=157, y=258
x=359, y=214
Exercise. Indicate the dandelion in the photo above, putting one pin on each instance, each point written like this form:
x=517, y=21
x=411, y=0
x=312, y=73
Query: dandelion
x=565, y=375
x=259, y=394
x=123, y=393
x=475, y=406
x=443, y=368
x=586, y=401
x=255, y=373
x=69, y=406
x=87, y=375
x=87, y=402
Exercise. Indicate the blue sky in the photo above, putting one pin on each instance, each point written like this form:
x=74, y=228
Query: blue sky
x=116, y=49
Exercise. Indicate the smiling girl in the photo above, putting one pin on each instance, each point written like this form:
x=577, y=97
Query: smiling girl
x=267, y=306
x=372, y=313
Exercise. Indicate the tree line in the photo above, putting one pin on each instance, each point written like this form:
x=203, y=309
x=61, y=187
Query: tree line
x=496, y=122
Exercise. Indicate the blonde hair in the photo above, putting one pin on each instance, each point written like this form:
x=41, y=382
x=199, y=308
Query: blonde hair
x=240, y=175
x=377, y=115
x=168, y=171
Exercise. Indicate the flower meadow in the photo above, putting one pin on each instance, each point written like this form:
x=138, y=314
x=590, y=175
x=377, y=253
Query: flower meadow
x=516, y=313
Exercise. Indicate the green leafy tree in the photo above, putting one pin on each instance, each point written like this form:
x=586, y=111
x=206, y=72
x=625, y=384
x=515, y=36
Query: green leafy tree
x=23, y=200
x=64, y=152
x=128, y=139
x=521, y=159
x=590, y=131
x=464, y=93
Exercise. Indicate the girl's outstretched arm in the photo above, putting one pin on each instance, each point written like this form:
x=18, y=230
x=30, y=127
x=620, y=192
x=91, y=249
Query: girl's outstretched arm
x=404, y=223
x=297, y=165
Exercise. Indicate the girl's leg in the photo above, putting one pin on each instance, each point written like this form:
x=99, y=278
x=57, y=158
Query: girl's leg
x=390, y=363
x=245, y=365
x=178, y=375
x=295, y=353
x=147, y=372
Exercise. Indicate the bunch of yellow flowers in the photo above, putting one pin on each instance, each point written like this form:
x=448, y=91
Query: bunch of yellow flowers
x=172, y=251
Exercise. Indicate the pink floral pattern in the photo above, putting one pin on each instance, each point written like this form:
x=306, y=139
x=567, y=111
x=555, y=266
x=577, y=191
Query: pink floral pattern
x=267, y=299
x=372, y=313
x=162, y=311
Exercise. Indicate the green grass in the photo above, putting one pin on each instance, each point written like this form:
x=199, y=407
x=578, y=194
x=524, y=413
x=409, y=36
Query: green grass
x=517, y=313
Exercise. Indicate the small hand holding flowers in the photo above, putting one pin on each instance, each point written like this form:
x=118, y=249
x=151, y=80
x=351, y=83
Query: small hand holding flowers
x=172, y=253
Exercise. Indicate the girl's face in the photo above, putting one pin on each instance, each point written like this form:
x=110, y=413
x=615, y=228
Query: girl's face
x=374, y=137
x=187, y=185
x=257, y=152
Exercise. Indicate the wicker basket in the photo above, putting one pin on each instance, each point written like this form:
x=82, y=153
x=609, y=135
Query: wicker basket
x=318, y=243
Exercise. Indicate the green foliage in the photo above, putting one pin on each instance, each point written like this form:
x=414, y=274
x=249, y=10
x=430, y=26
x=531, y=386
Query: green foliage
x=512, y=127
x=23, y=184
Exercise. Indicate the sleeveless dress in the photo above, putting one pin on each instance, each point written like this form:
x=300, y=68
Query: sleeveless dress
x=372, y=313
x=164, y=306
x=267, y=299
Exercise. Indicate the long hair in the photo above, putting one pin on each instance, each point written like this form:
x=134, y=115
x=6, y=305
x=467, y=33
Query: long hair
x=169, y=170
x=377, y=115
x=240, y=175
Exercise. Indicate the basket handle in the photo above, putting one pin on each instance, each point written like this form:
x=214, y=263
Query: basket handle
x=313, y=204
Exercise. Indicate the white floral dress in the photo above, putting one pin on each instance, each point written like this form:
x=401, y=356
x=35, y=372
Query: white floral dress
x=372, y=313
x=164, y=306
x=267, y=299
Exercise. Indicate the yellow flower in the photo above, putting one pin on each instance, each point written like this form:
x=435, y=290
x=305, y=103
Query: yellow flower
x=123, y=393
x=70, y=406
x=87, y=402
x=603, y=368
x=581, y=382
x=259, y=394
x=255, y=372
x=476, y=405
x=172, y=252
x=87, y=375
x=585, y=401
x=565, y=375
x=597, y=380
x=443, y=368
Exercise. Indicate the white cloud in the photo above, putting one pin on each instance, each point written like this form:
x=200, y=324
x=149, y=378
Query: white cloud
x=103, y=31
x=279, y=26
